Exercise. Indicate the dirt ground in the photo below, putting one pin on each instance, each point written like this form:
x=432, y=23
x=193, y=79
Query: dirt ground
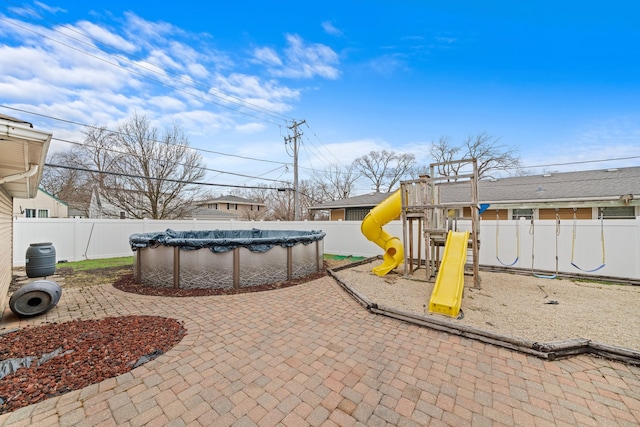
x=522, y=306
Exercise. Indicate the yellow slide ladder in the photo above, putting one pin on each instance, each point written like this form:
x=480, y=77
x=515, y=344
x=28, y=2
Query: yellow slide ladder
x=446, y=297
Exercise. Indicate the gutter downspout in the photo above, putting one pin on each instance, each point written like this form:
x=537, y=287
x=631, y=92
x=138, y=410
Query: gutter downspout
x=26, y=174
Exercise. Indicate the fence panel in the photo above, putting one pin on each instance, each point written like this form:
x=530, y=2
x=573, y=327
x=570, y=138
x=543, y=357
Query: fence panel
x=79, y=239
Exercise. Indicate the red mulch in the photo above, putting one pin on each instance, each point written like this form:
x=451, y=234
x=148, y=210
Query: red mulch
x=91, y=351
x=127, y=283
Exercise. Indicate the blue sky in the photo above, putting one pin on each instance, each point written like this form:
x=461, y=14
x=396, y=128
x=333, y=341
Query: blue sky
x=557, y=81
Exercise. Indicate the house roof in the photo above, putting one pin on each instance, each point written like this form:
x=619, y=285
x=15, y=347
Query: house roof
x=24, y=151
x=567, y=187
x=53, y=197
x=204, y=213
x=362, y=201
x=233, y=199
x=552, y=188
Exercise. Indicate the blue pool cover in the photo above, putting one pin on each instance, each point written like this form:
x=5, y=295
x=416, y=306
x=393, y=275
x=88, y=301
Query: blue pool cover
x=225, y=240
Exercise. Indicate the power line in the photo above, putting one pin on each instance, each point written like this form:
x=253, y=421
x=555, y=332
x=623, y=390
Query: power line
x=577, y=163
x=121, y=133
x=234, y=100
x=181, y=164
x=178, y=181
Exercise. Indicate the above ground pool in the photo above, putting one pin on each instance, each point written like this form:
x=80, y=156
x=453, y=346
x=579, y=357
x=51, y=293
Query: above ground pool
x=225, y=259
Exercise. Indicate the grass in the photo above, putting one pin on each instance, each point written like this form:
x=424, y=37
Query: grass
x=92, y=264
x=107, y=270
x=343, y=258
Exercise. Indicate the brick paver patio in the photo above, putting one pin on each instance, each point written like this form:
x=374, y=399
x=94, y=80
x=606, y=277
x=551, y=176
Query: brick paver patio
x=311, y=356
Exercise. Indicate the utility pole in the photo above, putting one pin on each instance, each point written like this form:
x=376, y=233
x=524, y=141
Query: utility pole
x=296, y=189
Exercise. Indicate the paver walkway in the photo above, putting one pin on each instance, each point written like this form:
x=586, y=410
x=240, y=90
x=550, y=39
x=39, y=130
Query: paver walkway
x=311, y=356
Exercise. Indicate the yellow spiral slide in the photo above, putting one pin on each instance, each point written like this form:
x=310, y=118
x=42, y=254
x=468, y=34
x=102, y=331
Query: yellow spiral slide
x=371, y=227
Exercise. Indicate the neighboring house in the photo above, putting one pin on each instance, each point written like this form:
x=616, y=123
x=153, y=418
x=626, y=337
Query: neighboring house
x=24, y=151
x=44, y=205
x=353, y=208
x=230, y=207
x=100, y=208
x=613, y=193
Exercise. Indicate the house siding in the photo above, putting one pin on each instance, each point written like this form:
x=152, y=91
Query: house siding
x=6, y=246
x=337, y=215
x=565, y=213
x=42, y=201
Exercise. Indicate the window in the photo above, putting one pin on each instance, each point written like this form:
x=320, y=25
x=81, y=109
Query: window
x=618, y=212
x=36, y=213
x=356, y=214
x=232, y=206
x=212, y=206
x=522, y=213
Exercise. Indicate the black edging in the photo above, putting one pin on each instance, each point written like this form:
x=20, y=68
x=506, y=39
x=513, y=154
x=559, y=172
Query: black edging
x=544, y=350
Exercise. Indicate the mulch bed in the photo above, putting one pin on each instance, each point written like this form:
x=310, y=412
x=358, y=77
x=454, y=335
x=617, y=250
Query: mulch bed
x=127, y=283
x=84, y=353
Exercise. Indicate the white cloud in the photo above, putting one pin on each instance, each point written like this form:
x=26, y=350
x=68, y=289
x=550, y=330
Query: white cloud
x=50, y=9
x=162, y=72
x=300, y=60
x=251, y=89
x=590, y=147
x=344, y=153
x=253, y=127
x=99, y=34
x=267, y=56
x=331, y=29
x=387, y=65
x=139, y=28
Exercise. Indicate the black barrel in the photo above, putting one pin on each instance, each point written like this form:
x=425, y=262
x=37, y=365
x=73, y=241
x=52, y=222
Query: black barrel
x=41, y=260
x=35, y=298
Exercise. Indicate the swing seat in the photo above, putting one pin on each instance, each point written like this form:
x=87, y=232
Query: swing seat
x=508, y=265
x=587, y=271
x=542, y=276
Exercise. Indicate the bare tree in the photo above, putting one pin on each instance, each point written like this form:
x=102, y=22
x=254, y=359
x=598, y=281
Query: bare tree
x=311, y=194
x=144, y=172
x=335, y=183
x=443, y=152
x=385, y=168
x=72, y=186
x=490, y=154
x=281, y=206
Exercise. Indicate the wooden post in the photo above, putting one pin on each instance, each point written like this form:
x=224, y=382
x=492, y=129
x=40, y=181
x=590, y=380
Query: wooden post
x=475, y=226
x=176, y=267
x=139, y=265
x=236, y=268
x=289, y=263
x=319, y=260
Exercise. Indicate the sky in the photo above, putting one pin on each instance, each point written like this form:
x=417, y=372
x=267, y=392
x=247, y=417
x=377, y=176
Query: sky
x=557, y=82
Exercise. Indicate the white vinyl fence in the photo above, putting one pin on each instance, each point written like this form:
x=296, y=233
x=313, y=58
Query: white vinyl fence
x=80, y=239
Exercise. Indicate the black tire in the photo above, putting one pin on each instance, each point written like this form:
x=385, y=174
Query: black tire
x=35, y=298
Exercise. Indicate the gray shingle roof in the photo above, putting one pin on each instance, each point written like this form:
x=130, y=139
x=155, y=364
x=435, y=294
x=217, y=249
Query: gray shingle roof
x=232, y=199
x=605, y=184
x=362, y=201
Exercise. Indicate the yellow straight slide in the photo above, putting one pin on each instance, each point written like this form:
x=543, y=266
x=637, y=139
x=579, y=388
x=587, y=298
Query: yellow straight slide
x=446, y=297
